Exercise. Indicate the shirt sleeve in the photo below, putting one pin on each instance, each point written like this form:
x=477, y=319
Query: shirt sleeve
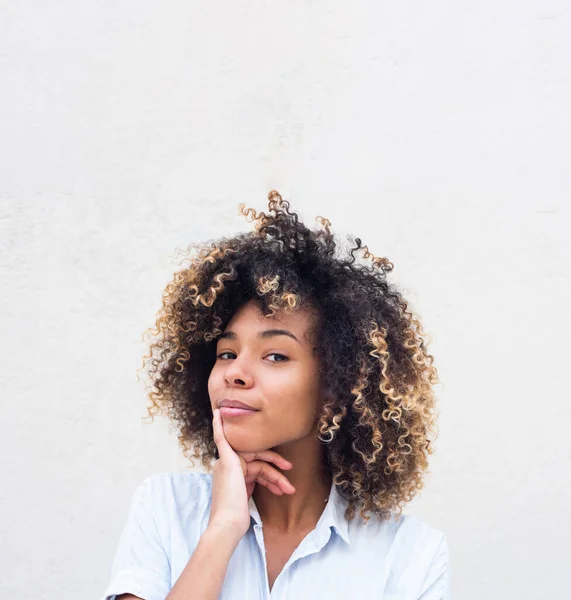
x=436, y=585
x=141, y=565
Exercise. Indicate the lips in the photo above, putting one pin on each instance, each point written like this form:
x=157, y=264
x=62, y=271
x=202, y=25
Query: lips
x=230, y=403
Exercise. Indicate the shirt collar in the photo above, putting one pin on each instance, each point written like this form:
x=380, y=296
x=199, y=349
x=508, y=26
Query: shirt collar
x=332, y=516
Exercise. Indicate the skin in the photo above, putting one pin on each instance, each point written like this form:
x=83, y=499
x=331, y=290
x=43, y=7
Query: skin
x=279, y=376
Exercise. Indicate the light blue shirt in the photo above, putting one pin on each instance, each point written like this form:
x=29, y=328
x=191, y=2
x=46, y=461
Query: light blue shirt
x=402, y=559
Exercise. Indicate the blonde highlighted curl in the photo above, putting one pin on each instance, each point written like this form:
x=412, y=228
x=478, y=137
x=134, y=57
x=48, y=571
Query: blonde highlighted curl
x=378, y=419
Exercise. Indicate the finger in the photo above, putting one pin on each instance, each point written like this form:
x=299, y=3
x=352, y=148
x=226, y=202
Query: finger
x=271, y=475
x=250, y=485
x=224, y=449
x=269, y=456
x=262, y=481
x=272, y=487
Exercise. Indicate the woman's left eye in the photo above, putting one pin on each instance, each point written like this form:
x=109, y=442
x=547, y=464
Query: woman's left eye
x=282, y=356
x=276, y=354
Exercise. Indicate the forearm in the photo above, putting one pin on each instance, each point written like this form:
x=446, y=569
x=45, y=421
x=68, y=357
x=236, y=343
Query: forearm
x=204, y=573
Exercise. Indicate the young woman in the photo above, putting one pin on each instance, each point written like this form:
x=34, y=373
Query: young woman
x=299, y=379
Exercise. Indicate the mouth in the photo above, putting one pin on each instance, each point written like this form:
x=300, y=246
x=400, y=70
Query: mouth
x=231, y=411
x=232, y=403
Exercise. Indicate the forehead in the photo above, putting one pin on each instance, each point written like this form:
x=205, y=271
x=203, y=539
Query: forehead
x=249, y=318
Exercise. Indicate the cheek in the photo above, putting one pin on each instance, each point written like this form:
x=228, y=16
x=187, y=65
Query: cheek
x=212, y=386
x=297, y=401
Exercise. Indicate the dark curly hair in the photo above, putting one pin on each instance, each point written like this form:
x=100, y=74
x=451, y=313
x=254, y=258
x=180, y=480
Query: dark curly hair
x=377, y=419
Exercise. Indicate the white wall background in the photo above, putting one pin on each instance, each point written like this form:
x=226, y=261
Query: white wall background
x=439, y=132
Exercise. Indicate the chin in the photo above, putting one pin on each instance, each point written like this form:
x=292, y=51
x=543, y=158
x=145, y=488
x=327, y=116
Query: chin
x=244, y=442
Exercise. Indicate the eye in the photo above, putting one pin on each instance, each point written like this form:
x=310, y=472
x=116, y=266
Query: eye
x=282, y=356
x=276, y=354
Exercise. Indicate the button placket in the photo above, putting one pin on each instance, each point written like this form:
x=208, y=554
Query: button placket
x=260, y=541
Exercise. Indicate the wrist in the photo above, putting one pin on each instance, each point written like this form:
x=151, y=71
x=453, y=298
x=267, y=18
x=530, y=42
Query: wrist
x=223, y=533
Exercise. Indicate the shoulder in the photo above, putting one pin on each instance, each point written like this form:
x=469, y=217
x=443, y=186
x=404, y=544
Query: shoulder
x=410, y=526
x=189, y=484
x=428, y=544
x=173, y=490
x=431, y=556
x=402, y=534
x=413, y=556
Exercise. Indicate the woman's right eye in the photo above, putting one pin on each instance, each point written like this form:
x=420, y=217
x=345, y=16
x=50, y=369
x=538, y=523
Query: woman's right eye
x=222, y=353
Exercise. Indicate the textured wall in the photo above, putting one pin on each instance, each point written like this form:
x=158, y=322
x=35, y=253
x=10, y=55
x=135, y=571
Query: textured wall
x=438, y=132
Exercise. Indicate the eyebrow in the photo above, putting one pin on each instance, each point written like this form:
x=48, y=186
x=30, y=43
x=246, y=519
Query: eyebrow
x=267, y=333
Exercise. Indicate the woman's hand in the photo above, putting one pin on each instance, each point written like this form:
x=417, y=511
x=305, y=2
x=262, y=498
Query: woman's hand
x=234, y=478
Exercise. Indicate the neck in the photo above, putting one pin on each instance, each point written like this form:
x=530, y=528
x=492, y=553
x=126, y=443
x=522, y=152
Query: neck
x=299, y=511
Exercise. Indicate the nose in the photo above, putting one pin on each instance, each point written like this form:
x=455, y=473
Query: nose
x=237, y=374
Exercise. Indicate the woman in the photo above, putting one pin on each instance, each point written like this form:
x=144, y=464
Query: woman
x=302, y=383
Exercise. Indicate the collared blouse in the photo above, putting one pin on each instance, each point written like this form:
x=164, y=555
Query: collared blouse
x=400, y=559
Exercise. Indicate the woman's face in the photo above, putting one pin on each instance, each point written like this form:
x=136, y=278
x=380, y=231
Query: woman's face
x=275, y=373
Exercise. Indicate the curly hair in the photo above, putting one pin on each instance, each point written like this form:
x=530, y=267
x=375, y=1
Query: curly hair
x=378, y=419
